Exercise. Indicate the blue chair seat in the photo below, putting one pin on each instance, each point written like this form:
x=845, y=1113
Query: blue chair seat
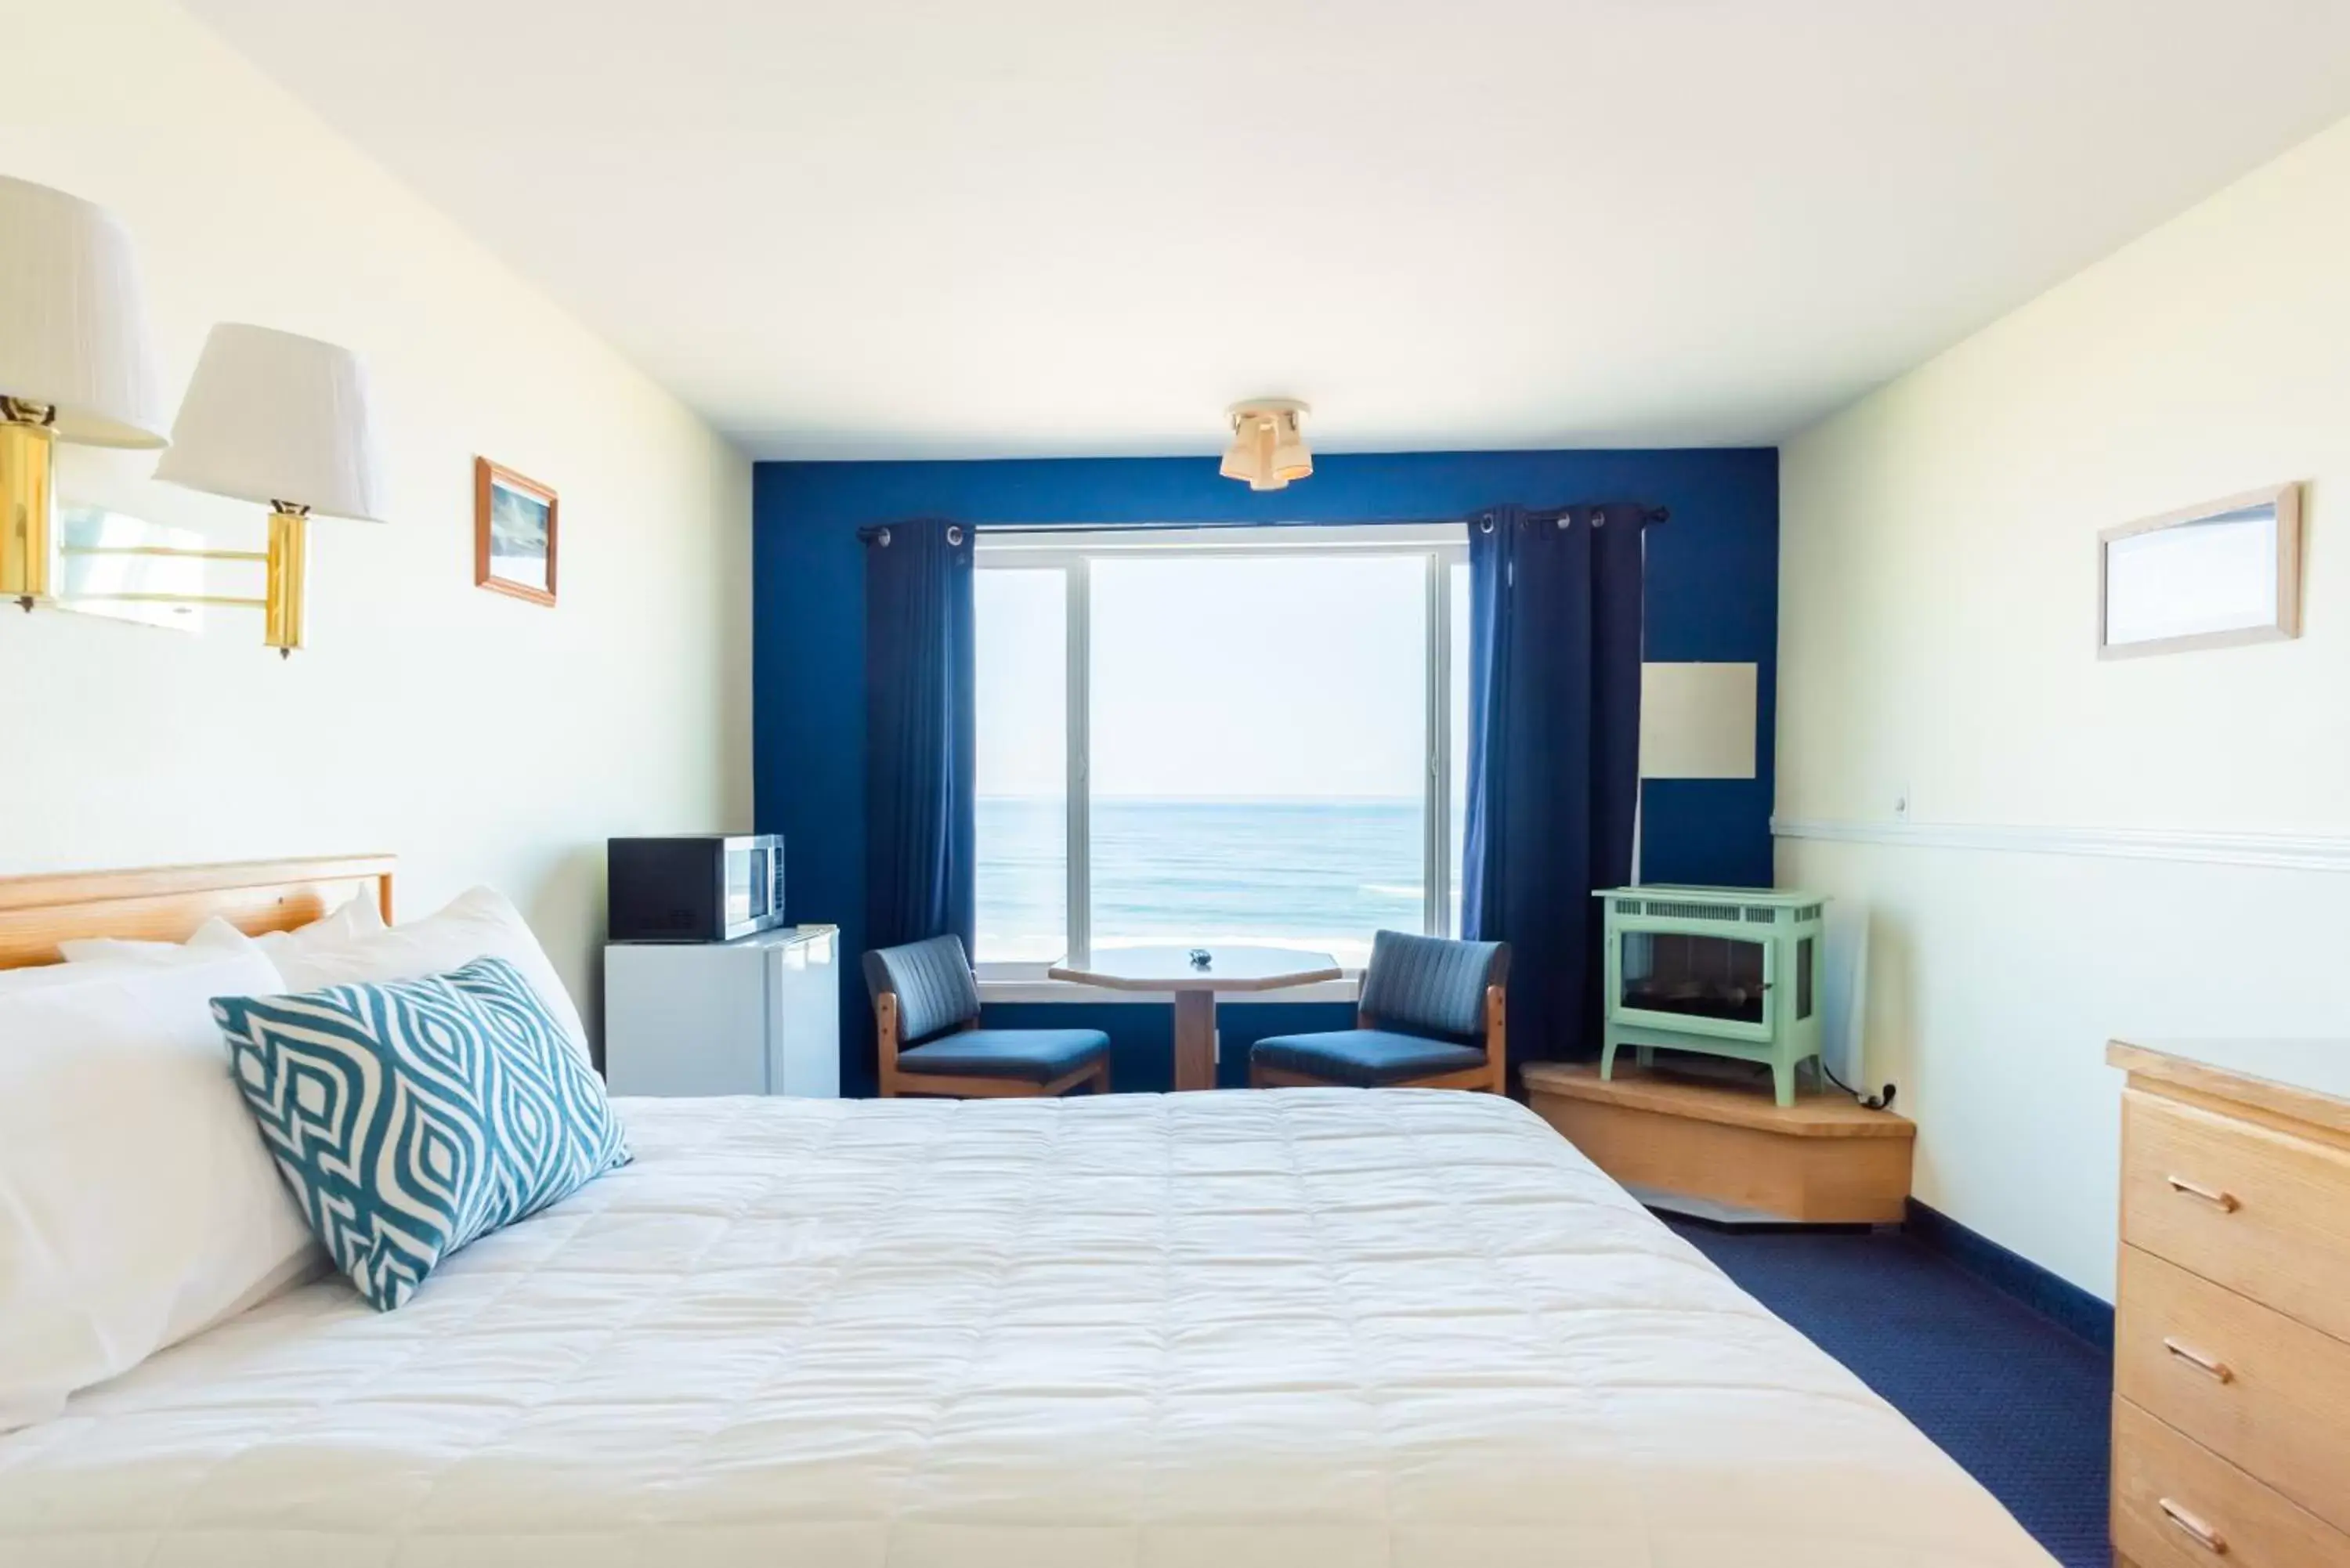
x=1365, y=1057
x=1031, y=1055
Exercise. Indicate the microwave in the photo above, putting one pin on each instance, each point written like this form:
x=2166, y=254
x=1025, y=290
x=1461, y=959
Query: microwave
x=694, y=886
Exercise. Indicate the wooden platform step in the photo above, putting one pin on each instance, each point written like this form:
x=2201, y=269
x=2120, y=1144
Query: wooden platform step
x=1727, y=1151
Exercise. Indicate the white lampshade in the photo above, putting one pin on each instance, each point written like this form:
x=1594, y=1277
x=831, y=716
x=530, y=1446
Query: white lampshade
x=272, y=416
x=73, y=319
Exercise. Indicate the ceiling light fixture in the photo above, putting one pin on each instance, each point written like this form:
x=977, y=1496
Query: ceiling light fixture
x=1268, y=446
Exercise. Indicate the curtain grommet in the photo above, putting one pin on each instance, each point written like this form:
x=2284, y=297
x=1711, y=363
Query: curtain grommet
x=1485, y=523
x=883, y=538
x=954, y=532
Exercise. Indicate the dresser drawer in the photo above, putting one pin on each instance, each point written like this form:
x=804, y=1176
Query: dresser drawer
x=2266, y=1393
x=2179, y=1505
x=2263, y=1212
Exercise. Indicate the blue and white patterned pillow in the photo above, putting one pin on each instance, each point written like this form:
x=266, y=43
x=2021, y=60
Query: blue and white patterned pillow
x=412, y=1118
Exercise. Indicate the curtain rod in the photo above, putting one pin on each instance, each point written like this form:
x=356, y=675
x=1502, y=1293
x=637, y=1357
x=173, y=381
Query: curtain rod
x=1648, y=515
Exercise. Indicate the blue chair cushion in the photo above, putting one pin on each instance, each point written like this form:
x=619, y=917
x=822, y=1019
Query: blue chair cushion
x=1365, y=1057
x=932, y=980
x=1031, y=1055
x=1428, y=985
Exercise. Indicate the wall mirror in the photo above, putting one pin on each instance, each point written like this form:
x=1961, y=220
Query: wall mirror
x=126, y=568
x=2213, y=575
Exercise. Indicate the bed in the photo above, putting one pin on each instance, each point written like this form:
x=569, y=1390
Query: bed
x=1405, y=1328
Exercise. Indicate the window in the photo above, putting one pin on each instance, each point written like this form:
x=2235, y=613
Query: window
x=1218, y=735
x=1023, y=781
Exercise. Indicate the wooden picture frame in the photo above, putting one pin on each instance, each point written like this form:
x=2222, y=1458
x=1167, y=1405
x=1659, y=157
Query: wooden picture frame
x=513, y=509
x=2218, y=575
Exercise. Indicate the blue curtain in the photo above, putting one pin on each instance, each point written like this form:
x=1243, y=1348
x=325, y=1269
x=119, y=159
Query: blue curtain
x=920, y=746
x=1554, y=753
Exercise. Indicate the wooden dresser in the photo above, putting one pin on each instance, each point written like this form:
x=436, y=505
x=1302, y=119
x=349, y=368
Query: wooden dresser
x=2231, y=1334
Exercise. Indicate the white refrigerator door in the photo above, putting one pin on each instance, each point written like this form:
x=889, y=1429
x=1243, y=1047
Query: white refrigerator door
x=804, y=1018
x=685, y=1020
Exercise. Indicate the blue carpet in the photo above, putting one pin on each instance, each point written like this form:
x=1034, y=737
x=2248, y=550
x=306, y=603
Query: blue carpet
x=2021, y=1403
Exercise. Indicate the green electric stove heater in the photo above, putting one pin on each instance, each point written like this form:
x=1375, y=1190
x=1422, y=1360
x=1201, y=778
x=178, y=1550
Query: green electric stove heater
x=1730, y=971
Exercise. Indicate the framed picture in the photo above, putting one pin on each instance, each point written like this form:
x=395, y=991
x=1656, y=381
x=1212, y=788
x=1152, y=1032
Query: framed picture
x=2213, y=575
x=515, y=533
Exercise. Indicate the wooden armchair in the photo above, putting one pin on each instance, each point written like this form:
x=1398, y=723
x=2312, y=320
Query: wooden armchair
x=1434, y=1014
x=926, y=1007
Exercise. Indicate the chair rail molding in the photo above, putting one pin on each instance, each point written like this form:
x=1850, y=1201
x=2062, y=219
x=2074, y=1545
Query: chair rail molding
x=2275, y=851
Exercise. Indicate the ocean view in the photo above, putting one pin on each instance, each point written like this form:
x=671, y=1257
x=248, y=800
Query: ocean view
x=1317, y=874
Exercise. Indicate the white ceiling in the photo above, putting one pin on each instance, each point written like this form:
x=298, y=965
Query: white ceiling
x=996, y=227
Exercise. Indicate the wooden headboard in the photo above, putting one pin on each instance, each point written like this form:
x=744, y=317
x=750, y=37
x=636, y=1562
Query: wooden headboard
x=167, y=903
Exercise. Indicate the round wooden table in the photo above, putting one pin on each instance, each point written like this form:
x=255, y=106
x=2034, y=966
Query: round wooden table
x=1195, y=987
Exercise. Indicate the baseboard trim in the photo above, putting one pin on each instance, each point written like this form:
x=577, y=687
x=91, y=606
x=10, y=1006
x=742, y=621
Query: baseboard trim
x=2276, y=851
x=2050, y=1295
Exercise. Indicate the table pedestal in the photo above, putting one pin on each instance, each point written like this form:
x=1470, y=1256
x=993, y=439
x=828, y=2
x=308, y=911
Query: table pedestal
x=1195, y=1039
x=1195, y=985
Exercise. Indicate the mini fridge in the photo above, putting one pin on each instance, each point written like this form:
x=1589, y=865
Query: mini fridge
x=759, y=1015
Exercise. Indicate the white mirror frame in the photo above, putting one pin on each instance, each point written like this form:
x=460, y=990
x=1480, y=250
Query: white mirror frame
x=2279, y=619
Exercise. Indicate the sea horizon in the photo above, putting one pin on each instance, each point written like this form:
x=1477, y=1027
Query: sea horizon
x=1322, y=873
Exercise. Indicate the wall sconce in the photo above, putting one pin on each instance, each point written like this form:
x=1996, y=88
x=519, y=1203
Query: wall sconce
x=75, y=363
x=282, y=421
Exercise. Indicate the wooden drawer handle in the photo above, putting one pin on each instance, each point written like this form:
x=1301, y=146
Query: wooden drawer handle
x=2194, y=1528
x=2225, y=1202
x=2220, y=1370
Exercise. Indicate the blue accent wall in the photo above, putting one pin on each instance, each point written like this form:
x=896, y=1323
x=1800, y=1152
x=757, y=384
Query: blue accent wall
x=1712, y=595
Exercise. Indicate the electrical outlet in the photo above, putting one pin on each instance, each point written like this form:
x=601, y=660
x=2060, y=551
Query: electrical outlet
x=1901, y=803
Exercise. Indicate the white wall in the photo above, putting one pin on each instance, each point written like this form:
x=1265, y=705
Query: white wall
x=479, y=737
x=1937, y=632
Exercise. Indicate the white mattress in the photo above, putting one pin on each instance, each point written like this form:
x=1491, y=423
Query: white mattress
x=1303, y=1327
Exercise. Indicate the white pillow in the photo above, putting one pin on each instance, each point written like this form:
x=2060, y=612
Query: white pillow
x=479, y=924
x=356, y=919
x=138, y=1204
x=40, y=977
x=215, y=939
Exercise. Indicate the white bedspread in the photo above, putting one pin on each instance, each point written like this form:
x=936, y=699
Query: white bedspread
x=1312, y=1328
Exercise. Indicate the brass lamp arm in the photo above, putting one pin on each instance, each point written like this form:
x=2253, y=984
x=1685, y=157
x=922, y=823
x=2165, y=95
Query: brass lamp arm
x=280, y=606
x=170, y=550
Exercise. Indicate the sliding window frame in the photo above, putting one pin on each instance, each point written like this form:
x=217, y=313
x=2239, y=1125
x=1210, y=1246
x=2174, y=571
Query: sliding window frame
x=1072, y=551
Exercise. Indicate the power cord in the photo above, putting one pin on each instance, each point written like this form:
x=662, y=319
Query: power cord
x=1883, y=1102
